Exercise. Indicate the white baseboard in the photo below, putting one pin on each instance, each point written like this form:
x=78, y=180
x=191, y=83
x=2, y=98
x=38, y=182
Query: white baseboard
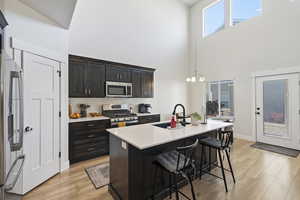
x=64, y=166
x=245, y=137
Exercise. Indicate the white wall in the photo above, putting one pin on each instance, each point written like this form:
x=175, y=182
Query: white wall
x=31, y=27
x=141, y=32
x=263, y=43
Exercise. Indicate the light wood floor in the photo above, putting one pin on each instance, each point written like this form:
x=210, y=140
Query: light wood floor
x=260, y=175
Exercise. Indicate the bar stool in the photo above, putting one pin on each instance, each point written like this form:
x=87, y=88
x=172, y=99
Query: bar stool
x=221, y=144
x=177, y=163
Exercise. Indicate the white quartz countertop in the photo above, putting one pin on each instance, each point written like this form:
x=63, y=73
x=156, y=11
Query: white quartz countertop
x=85, y=119
x=146, y=135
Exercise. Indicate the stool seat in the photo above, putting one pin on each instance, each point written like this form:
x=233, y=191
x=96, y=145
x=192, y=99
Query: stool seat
x=177, y=163
x=169, y=161
x=212, y=142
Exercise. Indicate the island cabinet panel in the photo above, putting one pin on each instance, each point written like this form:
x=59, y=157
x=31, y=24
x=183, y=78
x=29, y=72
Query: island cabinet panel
x=132, y=170
x=88, y=140
x=149, y=119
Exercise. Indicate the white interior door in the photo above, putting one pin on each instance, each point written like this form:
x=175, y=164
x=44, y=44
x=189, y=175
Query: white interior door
x=41, y=110
x=277, y=110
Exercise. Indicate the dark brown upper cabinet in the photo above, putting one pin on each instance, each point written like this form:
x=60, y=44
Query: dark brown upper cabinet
x=77, y=77
x=95, y=79
x=142, y=84
x=117, y=73
x=136, y=83
x=147, y=84
x=86, y=78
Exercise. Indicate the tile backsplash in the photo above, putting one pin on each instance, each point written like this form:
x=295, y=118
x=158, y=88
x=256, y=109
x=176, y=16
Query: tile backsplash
x=96, y=103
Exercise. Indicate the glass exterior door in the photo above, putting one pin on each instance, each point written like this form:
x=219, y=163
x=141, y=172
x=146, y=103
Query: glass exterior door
x=275, y=107
x=277, y=110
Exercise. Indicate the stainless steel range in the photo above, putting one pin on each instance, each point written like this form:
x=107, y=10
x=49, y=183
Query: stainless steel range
x=120, y=113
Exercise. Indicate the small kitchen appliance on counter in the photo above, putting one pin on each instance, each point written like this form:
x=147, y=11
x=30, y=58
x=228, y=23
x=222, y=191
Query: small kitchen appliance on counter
x=119, y=114
x=145, y=108
x=83, y=109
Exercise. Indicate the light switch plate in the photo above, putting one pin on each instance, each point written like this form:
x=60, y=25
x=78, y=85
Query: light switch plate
x=124, y=145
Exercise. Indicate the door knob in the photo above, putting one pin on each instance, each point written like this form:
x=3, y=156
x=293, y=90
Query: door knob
x=28, y=129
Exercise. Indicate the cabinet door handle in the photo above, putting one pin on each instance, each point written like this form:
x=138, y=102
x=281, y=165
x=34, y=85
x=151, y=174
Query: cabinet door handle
x=85, y=91
x=90, y=91
x=91, y=149
x=91, y=136
x=93, y=145
x=90, y=125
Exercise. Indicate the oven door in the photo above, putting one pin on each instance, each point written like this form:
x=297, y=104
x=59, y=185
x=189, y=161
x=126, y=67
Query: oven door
x=115, y=89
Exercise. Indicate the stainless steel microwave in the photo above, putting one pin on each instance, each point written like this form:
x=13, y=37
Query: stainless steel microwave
x=118, y=89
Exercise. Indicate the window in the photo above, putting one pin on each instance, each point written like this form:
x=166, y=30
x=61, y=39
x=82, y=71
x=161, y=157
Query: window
x=244, y=9
x=220, y=101
x=214, y=18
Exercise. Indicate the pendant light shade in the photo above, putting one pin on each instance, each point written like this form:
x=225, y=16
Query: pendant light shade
x=201, y=79
x=193, y=79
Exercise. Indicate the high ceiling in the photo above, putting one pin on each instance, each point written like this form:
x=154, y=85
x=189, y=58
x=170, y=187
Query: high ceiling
x=59, y=11
x=190, y=2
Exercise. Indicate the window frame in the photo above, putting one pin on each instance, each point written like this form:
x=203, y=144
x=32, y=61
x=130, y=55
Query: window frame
x=219, y=83
x=228, y=17
x=230, y=11
x=203, y=17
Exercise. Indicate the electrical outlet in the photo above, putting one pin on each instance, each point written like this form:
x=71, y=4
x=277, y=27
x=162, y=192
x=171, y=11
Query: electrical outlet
x=124, y=145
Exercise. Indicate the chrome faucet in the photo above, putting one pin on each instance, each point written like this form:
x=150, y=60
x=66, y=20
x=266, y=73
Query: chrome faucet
x=183, y=117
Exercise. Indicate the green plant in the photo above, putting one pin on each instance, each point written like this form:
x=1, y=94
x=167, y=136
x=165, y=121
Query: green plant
x=196, y=116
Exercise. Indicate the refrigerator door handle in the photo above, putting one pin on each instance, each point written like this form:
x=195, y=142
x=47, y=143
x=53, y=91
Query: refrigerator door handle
x=12, y=185
x=16, y=146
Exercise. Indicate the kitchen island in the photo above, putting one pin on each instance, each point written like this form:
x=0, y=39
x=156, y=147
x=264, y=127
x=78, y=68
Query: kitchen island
x=134, y=148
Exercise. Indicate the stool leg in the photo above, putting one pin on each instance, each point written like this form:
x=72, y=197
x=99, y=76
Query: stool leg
x=192, y=187
x=170, y=185
x=176, y=186
x=201, y=161
x=229, y=162
x=222, y=168
x=209, y=159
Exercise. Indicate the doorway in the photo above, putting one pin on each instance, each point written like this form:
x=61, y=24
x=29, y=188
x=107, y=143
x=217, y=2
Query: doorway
x=277, y=110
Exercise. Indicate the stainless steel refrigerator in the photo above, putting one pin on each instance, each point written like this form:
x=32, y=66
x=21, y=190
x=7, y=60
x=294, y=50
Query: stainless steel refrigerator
x=11, y=121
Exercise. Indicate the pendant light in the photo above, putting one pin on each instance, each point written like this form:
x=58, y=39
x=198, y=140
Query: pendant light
x=196, y=76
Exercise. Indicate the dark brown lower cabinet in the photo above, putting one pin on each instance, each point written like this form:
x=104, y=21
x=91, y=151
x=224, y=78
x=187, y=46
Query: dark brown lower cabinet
x=88, y=140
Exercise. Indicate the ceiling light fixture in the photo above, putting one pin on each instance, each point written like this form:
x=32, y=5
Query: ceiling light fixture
x=196, y=75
